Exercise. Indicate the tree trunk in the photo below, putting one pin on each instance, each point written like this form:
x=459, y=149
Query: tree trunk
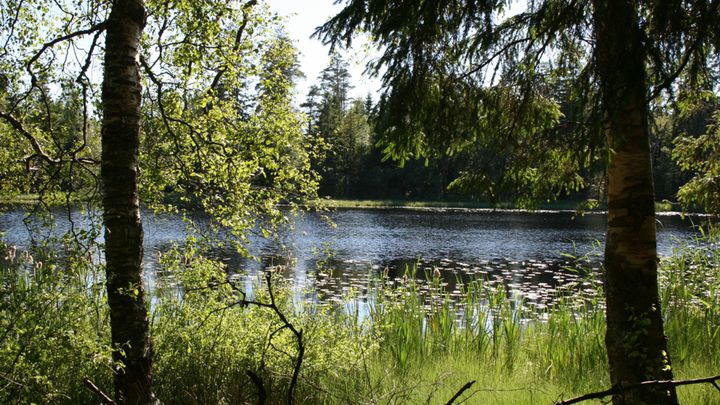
x=635, y=340
x=121, y=95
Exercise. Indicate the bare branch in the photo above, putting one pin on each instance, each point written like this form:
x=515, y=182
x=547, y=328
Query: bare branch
x=94, y=388
x=97, y=27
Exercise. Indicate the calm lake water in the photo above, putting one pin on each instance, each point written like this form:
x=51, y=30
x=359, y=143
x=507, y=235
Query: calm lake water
x=526, y=252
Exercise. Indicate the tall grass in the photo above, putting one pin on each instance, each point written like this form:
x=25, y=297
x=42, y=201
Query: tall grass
x=432, y=345
x=429, y=351
x=416, y=345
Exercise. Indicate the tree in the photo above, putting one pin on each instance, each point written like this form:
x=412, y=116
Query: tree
x=121, y=99
x=328, y=114
x=636, y=344
x=312, y=105
x=467, y=74
x=205, y=136
x=227, y=141
x=352, y=145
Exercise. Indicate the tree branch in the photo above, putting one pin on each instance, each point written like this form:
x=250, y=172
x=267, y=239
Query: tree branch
x=257, y=381
x=685, y=59
x=37, y=148
x=619, y=389
x=243, y=302
x=238, y=37
x=97, y=27
x=298, y=337
x=94, y=388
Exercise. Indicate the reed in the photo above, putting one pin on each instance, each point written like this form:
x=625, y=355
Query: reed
x=413, y=345
x=520, y=355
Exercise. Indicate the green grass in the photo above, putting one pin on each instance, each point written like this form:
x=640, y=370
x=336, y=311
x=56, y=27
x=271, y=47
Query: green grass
x=51, y=199
x=54, y=324
x=19, y=199
x=425, y=356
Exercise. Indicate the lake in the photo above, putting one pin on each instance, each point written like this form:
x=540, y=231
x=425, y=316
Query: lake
x=528, y=253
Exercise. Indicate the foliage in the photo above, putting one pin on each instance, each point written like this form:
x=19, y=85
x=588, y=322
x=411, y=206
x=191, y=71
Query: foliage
x=219, y=129
x=486, y=78
x=50, y=131
x=207, y=343
x=53, y=318
x=404, y=351
x=701, y=156
x=231, y=143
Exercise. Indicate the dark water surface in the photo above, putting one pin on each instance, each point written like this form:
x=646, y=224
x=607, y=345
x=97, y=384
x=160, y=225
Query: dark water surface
x=526, y=252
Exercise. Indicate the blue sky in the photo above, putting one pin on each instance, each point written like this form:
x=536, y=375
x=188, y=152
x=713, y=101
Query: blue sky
x=302, y=18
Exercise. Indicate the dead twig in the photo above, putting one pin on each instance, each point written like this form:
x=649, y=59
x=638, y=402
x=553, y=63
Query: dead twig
x=94, y=388
x=617, y=389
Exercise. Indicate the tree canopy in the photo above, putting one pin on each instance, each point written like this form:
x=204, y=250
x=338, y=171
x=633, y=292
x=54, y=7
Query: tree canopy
x=481, y=74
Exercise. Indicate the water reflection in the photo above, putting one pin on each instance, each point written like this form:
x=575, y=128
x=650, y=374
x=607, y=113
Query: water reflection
x=522, y=252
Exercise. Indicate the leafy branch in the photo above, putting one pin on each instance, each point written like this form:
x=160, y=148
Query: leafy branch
x=18, y=126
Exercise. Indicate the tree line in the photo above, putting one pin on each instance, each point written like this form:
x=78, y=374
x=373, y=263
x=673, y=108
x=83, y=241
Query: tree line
x=356, y=166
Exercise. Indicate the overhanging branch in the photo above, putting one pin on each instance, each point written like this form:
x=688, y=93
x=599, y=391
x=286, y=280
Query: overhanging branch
x=238, y=40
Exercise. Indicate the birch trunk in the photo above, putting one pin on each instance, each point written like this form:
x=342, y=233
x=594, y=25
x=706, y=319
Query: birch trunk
x=121, y=96
x=635, y=340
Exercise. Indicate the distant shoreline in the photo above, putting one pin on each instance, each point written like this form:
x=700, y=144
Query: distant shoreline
x=661, y=208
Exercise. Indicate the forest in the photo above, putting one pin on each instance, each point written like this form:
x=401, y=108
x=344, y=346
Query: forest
x=174, y=224
x=355, y=166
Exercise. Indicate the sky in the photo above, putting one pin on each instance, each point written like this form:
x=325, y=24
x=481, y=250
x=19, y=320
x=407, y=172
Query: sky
x=302, y=17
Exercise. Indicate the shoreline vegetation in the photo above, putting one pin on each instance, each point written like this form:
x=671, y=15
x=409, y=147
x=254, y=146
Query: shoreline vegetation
x=559, y=205
x=398, y=349
x=577, y=206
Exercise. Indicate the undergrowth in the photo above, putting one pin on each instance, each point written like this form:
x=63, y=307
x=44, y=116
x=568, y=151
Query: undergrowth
x=410, y=347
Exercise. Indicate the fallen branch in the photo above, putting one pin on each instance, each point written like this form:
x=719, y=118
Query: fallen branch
x=94, y=388
x=457, y=394
x=618, y=389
